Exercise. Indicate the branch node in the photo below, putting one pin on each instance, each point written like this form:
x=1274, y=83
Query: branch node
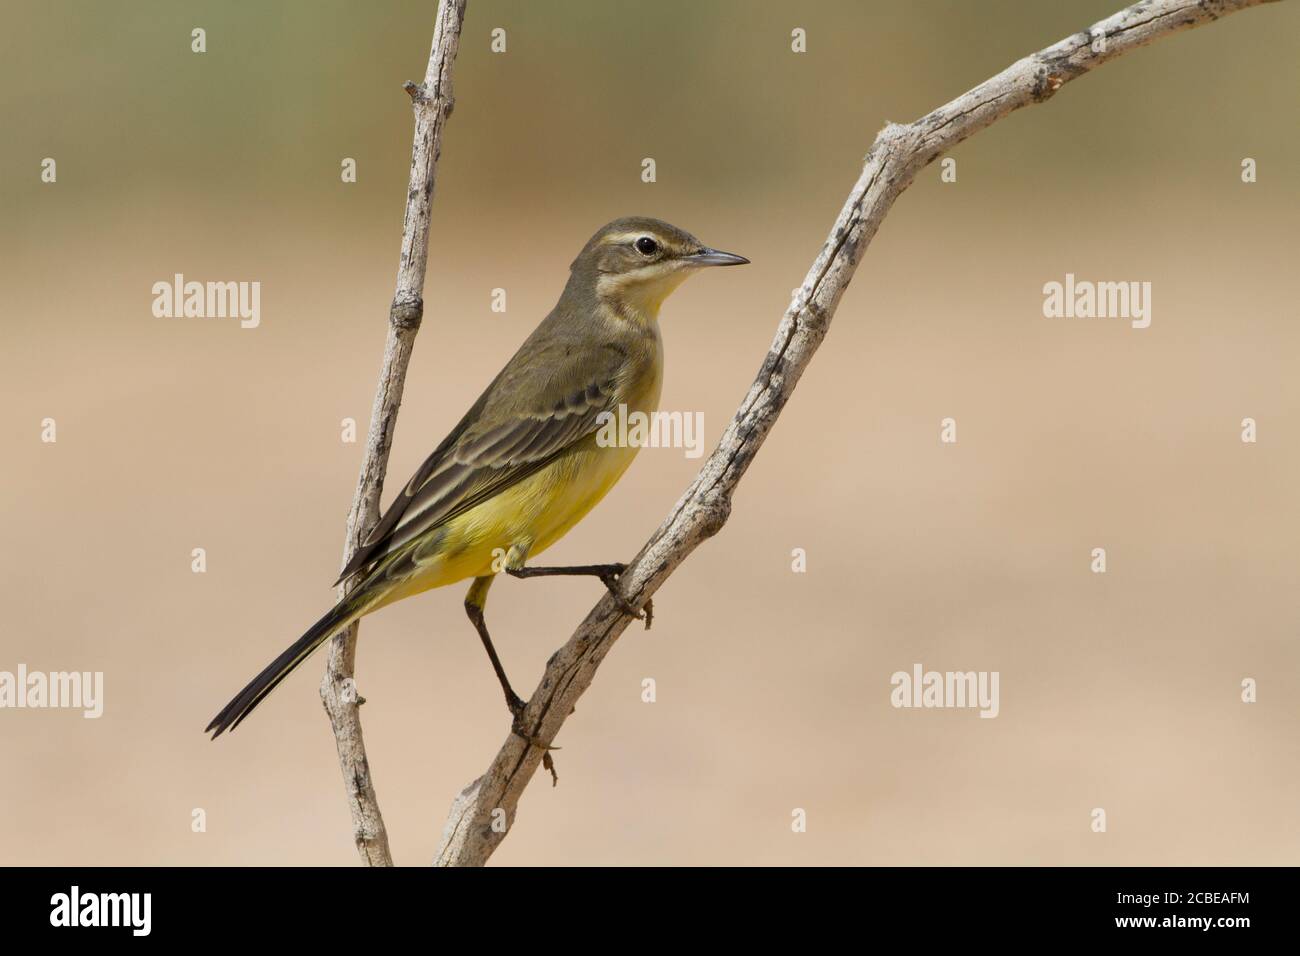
x=406, y=312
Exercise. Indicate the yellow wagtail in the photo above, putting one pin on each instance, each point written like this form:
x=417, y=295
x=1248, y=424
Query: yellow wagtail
x=524, y=465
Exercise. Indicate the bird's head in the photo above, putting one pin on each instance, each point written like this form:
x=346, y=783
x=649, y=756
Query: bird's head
x=632, y=264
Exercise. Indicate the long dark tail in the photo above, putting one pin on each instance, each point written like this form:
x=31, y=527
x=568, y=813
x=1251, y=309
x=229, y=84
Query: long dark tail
x=337, y=618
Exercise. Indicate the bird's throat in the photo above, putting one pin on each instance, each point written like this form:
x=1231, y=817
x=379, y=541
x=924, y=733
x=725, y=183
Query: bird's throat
x=638, y=300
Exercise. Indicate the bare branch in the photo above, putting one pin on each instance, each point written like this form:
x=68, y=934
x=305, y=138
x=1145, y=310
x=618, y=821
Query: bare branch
x=897, y=154
x=432, y=103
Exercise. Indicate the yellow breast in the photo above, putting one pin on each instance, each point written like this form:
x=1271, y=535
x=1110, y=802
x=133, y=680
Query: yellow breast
x=535, y=513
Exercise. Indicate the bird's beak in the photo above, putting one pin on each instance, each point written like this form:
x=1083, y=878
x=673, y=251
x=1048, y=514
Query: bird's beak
x=712, y=257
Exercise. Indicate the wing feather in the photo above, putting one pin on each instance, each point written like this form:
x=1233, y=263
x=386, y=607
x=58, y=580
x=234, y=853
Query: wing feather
x=513, y=430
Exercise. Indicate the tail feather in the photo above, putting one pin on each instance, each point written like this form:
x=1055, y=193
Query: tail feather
x=335, y=620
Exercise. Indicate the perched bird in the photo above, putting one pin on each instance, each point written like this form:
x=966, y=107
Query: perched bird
x=524, y=464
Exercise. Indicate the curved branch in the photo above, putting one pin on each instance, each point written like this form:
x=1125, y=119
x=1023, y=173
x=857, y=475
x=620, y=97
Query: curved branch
x=897, y=154
x=432, y=103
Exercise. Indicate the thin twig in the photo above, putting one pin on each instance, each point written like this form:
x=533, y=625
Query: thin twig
x=432, y=103
x=897, y=155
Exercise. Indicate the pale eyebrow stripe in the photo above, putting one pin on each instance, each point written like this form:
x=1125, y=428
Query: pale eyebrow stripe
x=627, y=236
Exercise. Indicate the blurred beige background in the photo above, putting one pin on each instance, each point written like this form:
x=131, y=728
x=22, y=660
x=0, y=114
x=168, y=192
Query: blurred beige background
x=1118, y=691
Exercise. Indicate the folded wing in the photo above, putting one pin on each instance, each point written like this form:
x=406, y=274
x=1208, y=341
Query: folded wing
x=547, y=398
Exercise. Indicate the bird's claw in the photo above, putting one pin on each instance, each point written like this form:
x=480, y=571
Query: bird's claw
x=611, y=582
x=516, y=705
x=517, y=724
x=517, y=728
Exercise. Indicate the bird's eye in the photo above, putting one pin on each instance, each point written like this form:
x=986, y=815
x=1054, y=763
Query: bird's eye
x=647, y=246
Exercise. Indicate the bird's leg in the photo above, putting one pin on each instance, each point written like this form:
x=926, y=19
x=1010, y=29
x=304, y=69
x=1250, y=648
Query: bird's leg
x=475, y=601
x=609, y=575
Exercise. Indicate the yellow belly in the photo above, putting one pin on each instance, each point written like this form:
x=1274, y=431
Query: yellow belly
x=528, y=517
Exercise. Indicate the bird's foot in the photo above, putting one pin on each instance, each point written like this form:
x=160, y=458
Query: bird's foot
x=611, y=580
x=516, y=705
x=517, y=728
